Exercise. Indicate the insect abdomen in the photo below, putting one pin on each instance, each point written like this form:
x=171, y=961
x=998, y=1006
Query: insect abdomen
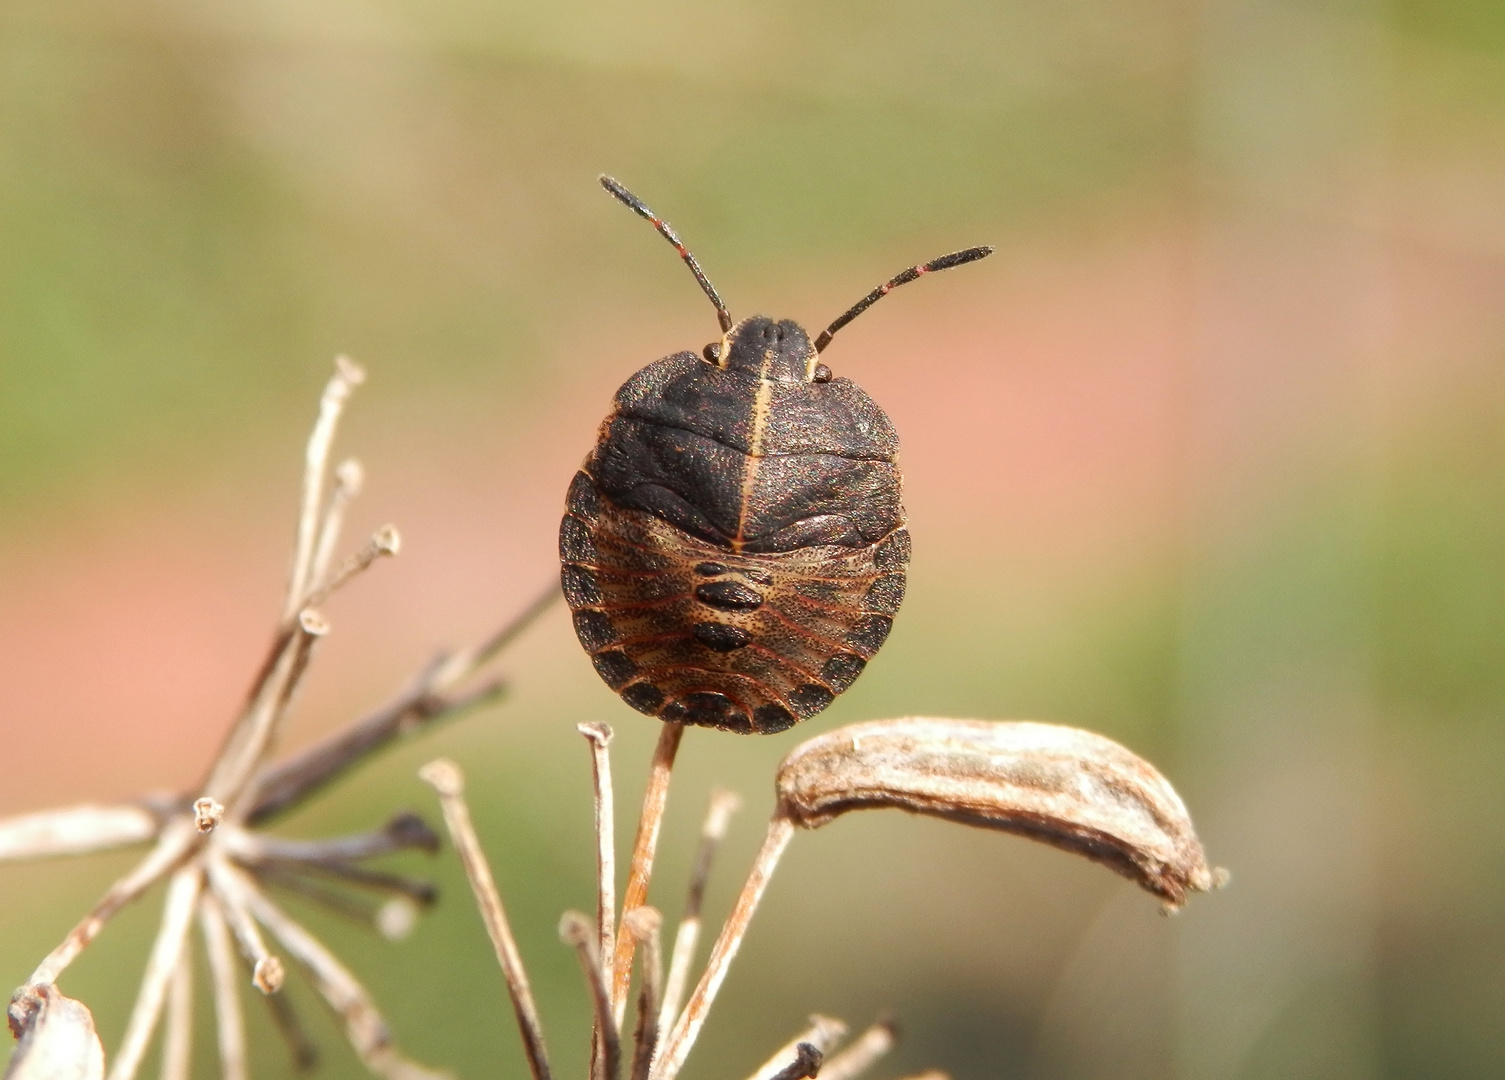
x=688, y=631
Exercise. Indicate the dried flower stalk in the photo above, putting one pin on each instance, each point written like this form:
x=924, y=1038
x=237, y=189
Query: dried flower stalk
x=446, y=778
x=823, y=1033
x=640, y=871
x=863, y=1053
x=203, y=840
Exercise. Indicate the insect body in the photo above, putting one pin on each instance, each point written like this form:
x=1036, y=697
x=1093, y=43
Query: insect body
x=734, y=548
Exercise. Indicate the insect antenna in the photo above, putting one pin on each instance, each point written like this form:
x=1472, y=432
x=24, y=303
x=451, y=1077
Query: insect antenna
x=945, y=262
x=637, y=206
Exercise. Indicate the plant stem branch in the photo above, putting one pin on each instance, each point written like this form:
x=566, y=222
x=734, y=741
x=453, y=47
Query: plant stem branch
x=640, y=871
x=182, y=895
x=723, y=805
x=76, y=830
x=446, y=779
x=177, y=1044
x=688, y=1026
x=229, y=1024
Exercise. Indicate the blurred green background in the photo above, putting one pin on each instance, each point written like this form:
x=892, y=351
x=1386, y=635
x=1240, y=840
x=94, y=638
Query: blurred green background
x=1209, y=457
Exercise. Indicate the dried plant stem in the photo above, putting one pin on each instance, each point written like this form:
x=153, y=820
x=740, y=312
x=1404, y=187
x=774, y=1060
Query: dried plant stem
x=823, y=1033
x=77, y=830
x=385, y=541
x=255, y=733
x=806, y=1064
x=176, y=843
x=349, y=477
x=346, y=378
x=461, y=665
x=645, y=925
x=177, y=1044
x=224, y=880
x=182, y=895
x=864, y=1051
x=364, y=1026
x=687, y=1027
x=640, y=872
x=723, y=805
x=229, y=1024
x=289, y=783
x=599, y=737
x=446, y=779
x=302, y=1051
x=404, y=832
x=575, y=930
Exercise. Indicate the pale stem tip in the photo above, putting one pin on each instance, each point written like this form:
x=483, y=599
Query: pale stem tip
x=349, y=370
x=575, y=929
x=396, y=918
x=444, y=776
x=268, y=975
x=387, y=540
x=350, y=475
x=207, y=814
x=312, y=623
x=643, y=922
x=596, y=732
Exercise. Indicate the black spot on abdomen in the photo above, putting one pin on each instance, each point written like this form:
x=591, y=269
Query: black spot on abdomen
x=720, y=637
x=729, y=596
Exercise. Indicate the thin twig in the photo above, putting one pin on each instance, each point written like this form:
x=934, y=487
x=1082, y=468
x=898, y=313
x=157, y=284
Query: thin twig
x=76, y=830
x=384, y=881
x=599, y=737
x=177, y=1044
x=287, y=784
x=266, y=970
x=229, y=1024
x=640, y=871
x=464, y=663
x=446, y=779
x=687, y=1027
x=723, y=805
x=575, y=930
x=182, y=895
x=384, y=542
x=347, y=376
x=645, y=924
x=863, y=1052
x=364, y=1026
x=302, y=1051
x=254, y=733
x=405, y=831
x=348, y=479
x=823, y=1033
x=177, y=842
x=806, y=1063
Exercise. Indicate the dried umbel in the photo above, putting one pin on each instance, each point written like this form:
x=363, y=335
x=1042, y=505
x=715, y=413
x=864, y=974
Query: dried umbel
x=1063, y=786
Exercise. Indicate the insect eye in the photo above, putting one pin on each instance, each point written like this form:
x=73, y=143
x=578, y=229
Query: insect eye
x=712, y=352
x=821, y=374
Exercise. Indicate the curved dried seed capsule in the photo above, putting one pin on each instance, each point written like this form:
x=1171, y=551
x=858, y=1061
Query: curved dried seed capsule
x=1060, y=785
x=58, y=1041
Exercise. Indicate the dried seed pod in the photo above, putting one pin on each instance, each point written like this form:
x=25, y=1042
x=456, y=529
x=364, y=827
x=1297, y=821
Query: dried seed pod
x=1059, y=785
x=58, y=1041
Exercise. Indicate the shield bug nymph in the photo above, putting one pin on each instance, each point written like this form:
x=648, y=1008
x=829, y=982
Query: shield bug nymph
x=734, y=547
